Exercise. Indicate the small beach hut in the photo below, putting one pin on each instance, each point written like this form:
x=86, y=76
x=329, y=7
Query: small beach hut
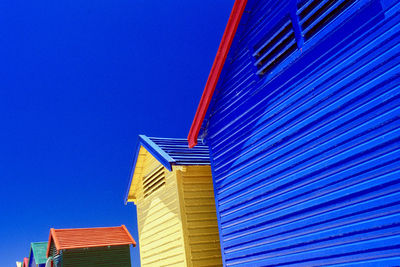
x=37, y=254
x=26, y=261
x=90, y=247
x=172, y=188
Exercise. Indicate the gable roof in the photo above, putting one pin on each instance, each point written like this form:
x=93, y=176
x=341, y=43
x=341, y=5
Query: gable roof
x=89, y=237
x=26, y=261
x=222, y=53
x=38, y=251
x=169, y=152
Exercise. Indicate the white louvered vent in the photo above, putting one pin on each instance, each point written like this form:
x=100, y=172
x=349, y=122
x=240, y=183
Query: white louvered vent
x=314, y=15
x=154, y=181
x=275, y=48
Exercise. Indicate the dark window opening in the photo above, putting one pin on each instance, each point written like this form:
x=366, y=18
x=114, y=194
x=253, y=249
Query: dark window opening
x=275, y=48
x=314, y=15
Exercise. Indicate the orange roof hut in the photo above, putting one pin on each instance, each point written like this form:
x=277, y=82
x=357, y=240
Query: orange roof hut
x=106, y=246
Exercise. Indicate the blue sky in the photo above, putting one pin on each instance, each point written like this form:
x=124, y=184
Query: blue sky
x=79, y=81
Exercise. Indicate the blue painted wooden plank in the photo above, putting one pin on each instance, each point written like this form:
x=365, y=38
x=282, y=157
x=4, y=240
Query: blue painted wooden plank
x=305, y=159
x=307, y=204
x=333, y=219
x=363, y=207
x=318, y=183
x=373, y=30
x=359, y=72
x=345, y=234
x=311, y=86
x=352, y=247
x=313, y=151
x=345, y=122
x=360, y=54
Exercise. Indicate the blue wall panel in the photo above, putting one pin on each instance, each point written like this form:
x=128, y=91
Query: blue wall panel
x=32, y=262
x=306, y=157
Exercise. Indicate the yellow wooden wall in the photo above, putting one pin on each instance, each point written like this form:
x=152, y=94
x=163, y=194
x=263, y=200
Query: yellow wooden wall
x=159, y=222
x=199, y=216
x=177, y=223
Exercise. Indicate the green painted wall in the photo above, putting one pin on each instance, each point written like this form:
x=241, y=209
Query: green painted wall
x=115, y=256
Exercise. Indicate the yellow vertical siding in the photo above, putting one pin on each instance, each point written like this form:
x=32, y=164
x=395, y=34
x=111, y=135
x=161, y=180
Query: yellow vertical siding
x=199, y=216
x=159, y=221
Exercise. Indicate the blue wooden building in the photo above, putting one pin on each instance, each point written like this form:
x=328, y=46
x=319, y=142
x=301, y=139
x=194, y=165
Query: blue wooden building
x=301, y=112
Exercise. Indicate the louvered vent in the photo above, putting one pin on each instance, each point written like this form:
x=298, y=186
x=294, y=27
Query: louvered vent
x=314, y=15
x=275, y=48
x=154, y=181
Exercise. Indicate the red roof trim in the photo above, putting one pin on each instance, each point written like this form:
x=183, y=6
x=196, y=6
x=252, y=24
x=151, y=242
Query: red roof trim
x=53, y=237
x=52, y=234
x=216, y=69
x=129, y=235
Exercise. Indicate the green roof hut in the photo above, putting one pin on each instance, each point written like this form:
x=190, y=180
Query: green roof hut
x=37, y=254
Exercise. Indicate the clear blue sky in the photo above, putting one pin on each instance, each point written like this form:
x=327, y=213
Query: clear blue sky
x=79, y=81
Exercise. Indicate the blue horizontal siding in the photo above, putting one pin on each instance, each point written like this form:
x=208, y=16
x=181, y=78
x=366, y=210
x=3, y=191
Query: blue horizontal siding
x=306, y=159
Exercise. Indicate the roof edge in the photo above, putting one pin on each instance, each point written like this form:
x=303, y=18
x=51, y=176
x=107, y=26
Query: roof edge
x=30, y=255
x=97, y=246
x=41, y=242
x=216, y=69
x=156, y=151
x=52, y=236
x=126, y=200
x=58, y=247
x=48, y=246
x=129, y=235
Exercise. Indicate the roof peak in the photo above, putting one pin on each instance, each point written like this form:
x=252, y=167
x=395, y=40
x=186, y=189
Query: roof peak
x=38, y=251
x=169, y=151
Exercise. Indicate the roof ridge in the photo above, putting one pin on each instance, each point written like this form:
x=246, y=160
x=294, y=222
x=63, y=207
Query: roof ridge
x=84, y=228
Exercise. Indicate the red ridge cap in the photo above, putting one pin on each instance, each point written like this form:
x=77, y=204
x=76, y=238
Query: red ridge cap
x=213, y=77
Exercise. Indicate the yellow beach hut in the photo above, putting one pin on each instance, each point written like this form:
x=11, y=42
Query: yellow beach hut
x=172, y=188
